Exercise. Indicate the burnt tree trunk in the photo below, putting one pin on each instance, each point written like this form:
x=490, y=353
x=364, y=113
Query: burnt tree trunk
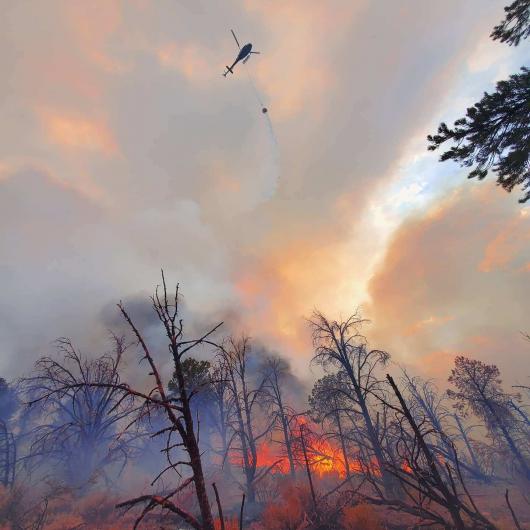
x=308, y=468
x=343, y=446
x=192, y=445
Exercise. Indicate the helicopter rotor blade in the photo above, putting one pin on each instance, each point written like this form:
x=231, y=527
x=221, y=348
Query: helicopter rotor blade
x=237, y=42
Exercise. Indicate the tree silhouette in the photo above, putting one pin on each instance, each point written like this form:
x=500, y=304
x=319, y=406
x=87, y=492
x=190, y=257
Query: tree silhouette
x=340, y=344
x=516, y=25
x=330, y=403
x=495, y=133
x=425, y=401
x=479, y=390
x=180, y=429
x=276, y=373
x=81, y=408
x=236, y=356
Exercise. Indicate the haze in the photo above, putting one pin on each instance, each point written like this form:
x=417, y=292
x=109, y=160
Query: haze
x=124, y=150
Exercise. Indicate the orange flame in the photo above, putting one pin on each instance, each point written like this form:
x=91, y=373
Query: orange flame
x=406, y=467
x=323, y=455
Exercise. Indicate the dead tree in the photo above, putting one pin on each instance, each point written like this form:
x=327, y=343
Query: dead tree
x=522, y=413
x=479, y=390
x=434, y=491
x=340, y=344
x=180, y=430
x=476, y=469
x=246, y=397
x=519, y=405
x=79, y=410
x=275, y=373
x=425, y=401
x=308, y=467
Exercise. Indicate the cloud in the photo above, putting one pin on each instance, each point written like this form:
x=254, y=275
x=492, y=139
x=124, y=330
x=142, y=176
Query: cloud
x=78, y=132
x=189, y=59
x=451, y=282
x=61, y=264
x=123, y=149
x=298, y=47
x=507, y=249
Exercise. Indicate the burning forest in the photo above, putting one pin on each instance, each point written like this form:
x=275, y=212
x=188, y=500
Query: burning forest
x=228, y=440
x=352, y=350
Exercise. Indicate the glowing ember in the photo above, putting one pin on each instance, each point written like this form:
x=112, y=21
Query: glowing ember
x=406, y=467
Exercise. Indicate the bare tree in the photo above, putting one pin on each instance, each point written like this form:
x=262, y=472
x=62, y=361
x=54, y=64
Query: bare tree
x=246, y=399
x=275, y=374
x=176, y=408
x=425, y=401
x=433, y=490
x=477, y=469
x=80, y=412
x=520, y=405
x=340, y=344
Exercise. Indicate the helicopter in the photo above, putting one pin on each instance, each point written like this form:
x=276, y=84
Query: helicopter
x=244, y=55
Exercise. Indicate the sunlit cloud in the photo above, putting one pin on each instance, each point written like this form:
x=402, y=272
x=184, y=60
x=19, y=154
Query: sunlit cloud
x=418, y=326
x=93, y=25
x=507, y=245
x=74, y=131
x=431, y=293
x=487, y=54
x=156, y=160
x=190, y=60
x=295, y=71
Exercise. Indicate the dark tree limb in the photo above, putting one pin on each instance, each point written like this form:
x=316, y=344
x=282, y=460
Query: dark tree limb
x=241, y=512
x=219, y=507
x=514, y=517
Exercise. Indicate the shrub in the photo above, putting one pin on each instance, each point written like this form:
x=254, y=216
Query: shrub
x=360, y=517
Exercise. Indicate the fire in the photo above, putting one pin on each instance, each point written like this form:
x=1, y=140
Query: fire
x=323, y=455
x=325, y=458
x=406, y=467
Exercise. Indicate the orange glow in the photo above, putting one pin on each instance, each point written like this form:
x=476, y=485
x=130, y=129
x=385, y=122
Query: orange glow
x=406, y=468
x=284, y=77
x=93, y=24
x=507, y=245
x=189, y=59
x=430, y=321
x=323, y=459
x=229, y=524
x=78, y=132
x=324, y=456
x=292, y=276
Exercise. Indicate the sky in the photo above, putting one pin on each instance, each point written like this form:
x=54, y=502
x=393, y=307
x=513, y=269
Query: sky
x=123, y=150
